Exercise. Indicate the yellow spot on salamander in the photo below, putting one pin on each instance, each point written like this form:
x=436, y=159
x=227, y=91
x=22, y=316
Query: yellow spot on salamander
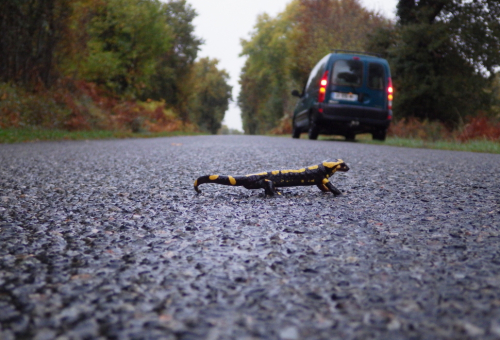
x=325, y=180
x=275, y=172
x=332, y=164
x=231, y=180
x=313, y=167
x=293, y=171
x=213, y=177
x=196, y=183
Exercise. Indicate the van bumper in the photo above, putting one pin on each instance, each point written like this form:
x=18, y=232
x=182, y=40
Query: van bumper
x=338, y=118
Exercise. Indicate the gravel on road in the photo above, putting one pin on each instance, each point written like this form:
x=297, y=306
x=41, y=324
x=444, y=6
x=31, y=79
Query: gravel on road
x=108, y=240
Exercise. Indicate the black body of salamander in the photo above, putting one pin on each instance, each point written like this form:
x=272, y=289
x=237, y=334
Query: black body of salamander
x=313, y=175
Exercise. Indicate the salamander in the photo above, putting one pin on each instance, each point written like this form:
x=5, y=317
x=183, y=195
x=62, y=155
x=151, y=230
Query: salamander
x=312, y=175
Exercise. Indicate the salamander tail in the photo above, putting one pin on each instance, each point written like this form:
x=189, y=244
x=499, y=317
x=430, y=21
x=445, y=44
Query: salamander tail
x=217, y=179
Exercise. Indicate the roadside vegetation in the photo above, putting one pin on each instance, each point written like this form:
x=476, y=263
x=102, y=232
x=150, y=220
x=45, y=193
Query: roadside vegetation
x=117, y=65
x=478, y=134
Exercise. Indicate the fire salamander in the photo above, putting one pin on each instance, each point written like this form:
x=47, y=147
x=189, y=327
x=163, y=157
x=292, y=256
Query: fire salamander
x=313, y=175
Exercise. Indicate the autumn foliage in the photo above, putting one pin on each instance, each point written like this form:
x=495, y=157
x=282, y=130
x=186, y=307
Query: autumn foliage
x=80, y=105
x=479, y=127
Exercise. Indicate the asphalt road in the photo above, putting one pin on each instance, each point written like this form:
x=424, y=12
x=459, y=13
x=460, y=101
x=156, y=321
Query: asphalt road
x=108, y=240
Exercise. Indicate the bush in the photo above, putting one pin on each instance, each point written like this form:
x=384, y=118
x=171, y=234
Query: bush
x=476, y=128
x=480, y=127
x=22, y=108
x=414, y=128
x=284, y=126
x=80, y=105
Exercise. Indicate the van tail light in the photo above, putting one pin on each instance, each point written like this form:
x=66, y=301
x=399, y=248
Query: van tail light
x=322, y=87
x=390, y=93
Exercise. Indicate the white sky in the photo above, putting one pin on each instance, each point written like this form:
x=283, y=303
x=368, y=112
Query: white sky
x=222, y=23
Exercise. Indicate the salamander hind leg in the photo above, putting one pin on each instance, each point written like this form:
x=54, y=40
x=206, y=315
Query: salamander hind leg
x=269, y=188
x=322, y=187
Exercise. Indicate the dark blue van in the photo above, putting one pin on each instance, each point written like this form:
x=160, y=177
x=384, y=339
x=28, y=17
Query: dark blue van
x=347, y=93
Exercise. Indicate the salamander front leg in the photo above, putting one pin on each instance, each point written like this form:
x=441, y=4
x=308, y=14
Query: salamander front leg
x=333, y=190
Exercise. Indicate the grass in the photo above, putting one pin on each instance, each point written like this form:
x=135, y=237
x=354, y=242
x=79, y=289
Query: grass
x=20, y=135
x=477, y=145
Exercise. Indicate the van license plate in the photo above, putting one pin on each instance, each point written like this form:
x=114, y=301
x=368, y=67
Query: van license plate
x=345, y=96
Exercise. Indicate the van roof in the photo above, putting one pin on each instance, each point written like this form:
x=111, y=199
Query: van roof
x=361, y=55
x=378, y=55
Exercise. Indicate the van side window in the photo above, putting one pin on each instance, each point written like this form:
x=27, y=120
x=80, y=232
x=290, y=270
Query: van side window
x=376, y=76
x=316, y=74
x=348, y=73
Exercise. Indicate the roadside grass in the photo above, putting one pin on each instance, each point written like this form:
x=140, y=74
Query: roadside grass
x=479, y=145
x=476, y=145
x=20, y=135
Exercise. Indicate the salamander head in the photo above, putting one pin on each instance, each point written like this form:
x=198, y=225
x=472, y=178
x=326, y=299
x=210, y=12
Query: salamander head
x=336, y=165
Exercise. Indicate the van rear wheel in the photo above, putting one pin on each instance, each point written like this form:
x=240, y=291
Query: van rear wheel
x=350, y=137
x=313, y=131
x=379, y=135
x=295, y=131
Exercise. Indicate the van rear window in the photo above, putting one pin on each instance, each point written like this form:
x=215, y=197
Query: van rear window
x=376, y=76
x=347, y=73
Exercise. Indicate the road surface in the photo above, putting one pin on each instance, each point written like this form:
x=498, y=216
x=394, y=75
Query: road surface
x=108, y=240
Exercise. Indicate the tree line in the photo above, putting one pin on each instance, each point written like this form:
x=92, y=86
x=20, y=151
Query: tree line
x=136, y=51
x=444, y=56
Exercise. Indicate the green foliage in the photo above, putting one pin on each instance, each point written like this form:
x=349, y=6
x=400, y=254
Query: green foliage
x=210, y=95
x=282, y=51
x=443, y=55
x=266, y=78
x=126, y=39
x=174, y=67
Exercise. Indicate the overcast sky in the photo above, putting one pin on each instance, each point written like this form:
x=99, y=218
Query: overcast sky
x=222, y=23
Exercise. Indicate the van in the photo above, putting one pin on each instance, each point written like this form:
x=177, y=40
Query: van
x=347, y=93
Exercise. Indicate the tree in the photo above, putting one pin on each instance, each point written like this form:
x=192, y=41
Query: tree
x=326, y=25
x=265, y=80
x=30, y=33
x=174, y=66
x=443, y=55
x=127, y=37
x=210, y=95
